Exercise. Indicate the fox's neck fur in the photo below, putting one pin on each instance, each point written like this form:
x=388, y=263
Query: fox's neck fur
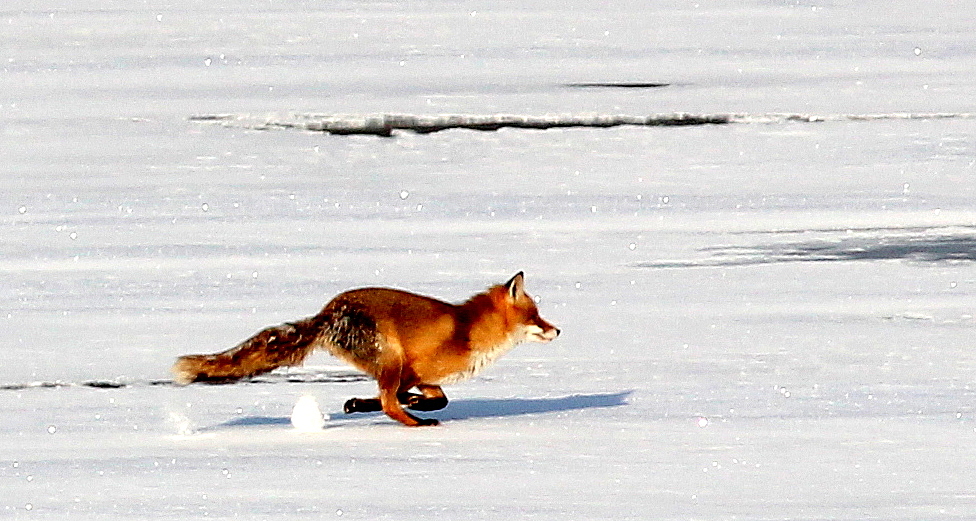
x=482, y=327
x=485, y=320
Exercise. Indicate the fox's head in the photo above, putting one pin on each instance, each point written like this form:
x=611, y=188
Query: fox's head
x=522, y=314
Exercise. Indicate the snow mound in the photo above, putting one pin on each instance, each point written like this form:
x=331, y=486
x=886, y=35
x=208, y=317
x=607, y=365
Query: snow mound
x=306, y=416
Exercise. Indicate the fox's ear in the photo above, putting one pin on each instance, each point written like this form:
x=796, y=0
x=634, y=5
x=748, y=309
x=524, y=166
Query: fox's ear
x=516, y=286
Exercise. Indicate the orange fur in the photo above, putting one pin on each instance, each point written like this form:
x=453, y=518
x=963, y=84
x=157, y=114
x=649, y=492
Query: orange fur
x=401, y=339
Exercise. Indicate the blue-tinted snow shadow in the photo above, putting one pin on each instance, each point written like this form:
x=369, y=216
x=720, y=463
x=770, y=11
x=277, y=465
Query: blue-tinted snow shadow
x=466, y=409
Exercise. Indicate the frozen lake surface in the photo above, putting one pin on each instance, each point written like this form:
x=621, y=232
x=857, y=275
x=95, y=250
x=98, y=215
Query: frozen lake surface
x=766, y=319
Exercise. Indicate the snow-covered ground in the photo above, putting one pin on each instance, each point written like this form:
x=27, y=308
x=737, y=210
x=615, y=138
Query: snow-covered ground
x=770, y=319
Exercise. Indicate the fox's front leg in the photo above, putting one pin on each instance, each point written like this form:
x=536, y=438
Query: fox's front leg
x=432, y=399
x=390, y=402
x=391, y=385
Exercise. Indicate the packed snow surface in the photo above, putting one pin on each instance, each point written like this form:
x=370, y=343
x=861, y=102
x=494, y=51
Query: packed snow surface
x=761, y=321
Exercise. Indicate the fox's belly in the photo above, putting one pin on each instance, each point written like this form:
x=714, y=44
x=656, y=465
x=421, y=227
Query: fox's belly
x=476, y=363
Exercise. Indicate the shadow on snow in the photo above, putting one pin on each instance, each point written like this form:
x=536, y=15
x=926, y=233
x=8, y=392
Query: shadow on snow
x=465, y=409
x=496, y=408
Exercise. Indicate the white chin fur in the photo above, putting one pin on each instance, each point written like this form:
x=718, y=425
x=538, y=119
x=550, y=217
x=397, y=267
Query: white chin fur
x=537, y=334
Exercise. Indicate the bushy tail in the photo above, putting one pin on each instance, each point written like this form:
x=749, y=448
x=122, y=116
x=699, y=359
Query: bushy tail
x=284, y=345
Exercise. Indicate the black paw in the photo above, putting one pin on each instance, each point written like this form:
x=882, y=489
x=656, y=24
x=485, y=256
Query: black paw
x=427, y=422
x=360, y=405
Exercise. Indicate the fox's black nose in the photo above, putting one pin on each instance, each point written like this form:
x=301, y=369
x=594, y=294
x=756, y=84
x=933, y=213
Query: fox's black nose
x=557, y=331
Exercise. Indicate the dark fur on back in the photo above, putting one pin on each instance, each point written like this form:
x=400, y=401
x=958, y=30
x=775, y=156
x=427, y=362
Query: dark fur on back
x=349, y=332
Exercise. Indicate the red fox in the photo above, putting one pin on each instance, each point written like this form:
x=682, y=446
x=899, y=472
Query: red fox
x=401, y=339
